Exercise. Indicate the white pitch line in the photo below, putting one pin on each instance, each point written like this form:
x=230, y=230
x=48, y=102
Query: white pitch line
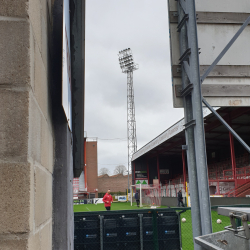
x=87, y=208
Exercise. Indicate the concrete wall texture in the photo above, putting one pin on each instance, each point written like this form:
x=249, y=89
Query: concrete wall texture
x=26, y=127
x=116, y=183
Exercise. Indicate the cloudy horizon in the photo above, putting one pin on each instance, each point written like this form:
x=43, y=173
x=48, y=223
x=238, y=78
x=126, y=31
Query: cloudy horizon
x=112, y=26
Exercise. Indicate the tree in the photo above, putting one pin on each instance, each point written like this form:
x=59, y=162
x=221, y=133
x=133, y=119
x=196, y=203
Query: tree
x=103, y=171
x=120, y=169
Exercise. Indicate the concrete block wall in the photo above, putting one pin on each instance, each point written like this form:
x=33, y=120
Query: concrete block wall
x=116, y=183
x=26, y=131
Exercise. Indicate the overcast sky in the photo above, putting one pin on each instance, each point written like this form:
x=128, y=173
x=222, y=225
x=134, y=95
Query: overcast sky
x=111, y=26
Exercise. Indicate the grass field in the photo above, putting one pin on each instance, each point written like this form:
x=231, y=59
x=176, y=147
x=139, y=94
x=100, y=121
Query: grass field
x=100, y=207
x=186, y=228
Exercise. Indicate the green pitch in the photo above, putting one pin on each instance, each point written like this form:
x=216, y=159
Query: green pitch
x=100, y=207
x=186, y=228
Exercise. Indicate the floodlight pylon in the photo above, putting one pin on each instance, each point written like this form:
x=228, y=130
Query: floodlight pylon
x=128, y=66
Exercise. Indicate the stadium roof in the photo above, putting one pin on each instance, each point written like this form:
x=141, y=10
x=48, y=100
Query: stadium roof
x=170, y=141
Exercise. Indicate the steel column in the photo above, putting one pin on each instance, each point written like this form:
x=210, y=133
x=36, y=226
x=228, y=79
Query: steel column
x=128, y=66
x=101, y=232
x=218, y=187
x=131, y=131
x=147, y=170
x=141, y=231
x=189, y=134
x=233, y=157
x=184, y=166
x=158, y=169
x=85, y=162
x=134, y=175
x=199, y=134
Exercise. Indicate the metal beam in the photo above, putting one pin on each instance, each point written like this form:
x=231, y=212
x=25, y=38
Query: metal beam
x=184, y=166
x=173, y=145
x=236, y=136
x=225, y=133
x=158, y=169
x=188, y=116
x=233, y=115
x=77, y=47
x=199, y=133
x=233, y=157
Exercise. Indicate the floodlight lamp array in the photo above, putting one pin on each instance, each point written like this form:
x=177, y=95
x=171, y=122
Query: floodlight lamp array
x=126, y=60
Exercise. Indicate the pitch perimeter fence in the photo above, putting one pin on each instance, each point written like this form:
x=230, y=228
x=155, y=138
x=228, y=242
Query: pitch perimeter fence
x=145, y=229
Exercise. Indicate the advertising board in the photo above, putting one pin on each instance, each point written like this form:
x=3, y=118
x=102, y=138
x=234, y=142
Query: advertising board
x=97, y=200
x=142, y=182
x=122, y=198
x=75, y=188
x=164, y=171
x=228, y=84
x=141, y=174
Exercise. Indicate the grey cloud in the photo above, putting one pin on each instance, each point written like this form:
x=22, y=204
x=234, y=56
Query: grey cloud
x=113, y=25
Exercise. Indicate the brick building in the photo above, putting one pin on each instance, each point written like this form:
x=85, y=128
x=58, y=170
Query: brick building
x=116, y=183
x=91, y=168
x=86, y=185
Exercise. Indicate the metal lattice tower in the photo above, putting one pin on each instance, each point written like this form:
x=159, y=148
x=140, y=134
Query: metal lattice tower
x=128, y=66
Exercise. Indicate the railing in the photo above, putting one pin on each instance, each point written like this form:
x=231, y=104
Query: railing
x=215, y=178
x=222, y=169
x=238, y=191
x=217, y=173
x=243, y=173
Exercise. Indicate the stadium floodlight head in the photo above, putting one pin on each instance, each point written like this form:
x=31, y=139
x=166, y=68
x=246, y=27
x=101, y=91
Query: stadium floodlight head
x=126, y=61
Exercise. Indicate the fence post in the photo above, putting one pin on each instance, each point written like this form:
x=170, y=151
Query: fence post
x=141, y=231
x=238, y=222
x=169, y=188
x=186, y=193
x=131, y=195
x=140, y=197
x=101, y=232
x=155, y=231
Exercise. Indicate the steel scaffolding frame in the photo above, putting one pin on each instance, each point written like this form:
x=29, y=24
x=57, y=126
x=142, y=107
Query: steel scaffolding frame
x=128, y=66
x=131, y=124
x=194, y=127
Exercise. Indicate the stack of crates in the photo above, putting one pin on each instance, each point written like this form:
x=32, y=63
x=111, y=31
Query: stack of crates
x=134, y=230
x=129, y=232
x=148, y=232
x=168, y=231
x=110, y=233
x=87, y=233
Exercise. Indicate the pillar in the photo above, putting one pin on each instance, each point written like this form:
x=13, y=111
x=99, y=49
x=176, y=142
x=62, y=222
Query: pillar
x=233, y=158
x=158, y=169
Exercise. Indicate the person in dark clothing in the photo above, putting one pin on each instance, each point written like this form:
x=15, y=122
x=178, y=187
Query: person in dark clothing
x=137, y=198
x=180, y=199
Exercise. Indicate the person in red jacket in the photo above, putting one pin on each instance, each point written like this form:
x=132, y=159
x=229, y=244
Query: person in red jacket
x=107, y=199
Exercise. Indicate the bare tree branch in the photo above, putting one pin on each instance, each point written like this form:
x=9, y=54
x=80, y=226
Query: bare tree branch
x=120, y=169
x=103, y=171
